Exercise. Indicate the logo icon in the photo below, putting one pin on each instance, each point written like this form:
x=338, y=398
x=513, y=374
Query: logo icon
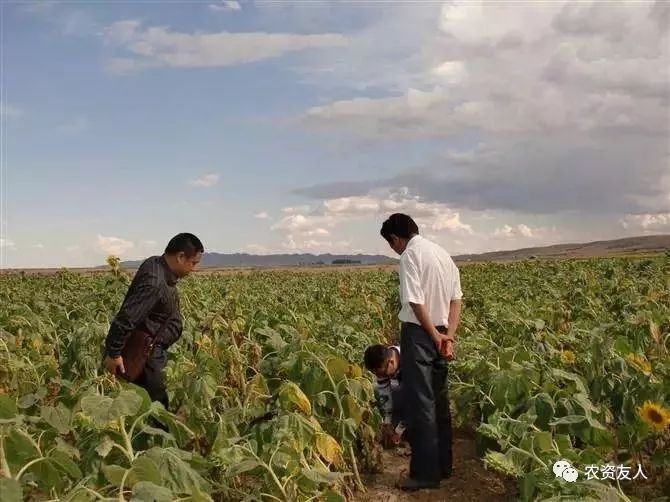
x=563, y=469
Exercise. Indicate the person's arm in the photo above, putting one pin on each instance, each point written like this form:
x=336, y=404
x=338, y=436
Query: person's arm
x=172, y=331
x=384, y=398
x=421, y=313
x=141, y=299
x=455, y=306
x=454, y=318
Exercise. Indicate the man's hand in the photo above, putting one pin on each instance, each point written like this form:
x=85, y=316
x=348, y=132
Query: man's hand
x=448, y=350
x=114, y=365
x=440, y=340
x=390, y=437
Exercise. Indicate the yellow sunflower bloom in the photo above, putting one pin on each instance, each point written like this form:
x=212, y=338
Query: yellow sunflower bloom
x=639, y=362
x=568, y=357
x=655, y=415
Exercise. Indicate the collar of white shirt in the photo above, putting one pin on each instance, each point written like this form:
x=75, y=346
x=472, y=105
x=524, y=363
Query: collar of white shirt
x=413, y=241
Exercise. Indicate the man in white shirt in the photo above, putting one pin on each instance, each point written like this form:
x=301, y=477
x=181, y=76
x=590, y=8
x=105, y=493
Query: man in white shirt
x=430, y=295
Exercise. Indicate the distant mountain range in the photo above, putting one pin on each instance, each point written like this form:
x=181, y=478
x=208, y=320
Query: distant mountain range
x=220, y=260
x=630, y=245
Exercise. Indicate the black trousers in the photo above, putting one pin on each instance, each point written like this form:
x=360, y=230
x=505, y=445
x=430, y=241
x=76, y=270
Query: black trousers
x=153, y=378
x=426, y=404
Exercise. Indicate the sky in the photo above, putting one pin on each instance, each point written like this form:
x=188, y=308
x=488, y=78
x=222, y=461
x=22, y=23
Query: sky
x=274, y=127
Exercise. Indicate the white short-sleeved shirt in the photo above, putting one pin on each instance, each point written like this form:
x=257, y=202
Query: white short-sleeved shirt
x=428, y=276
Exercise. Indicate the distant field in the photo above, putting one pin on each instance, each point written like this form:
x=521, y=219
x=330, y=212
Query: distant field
x=644, y=246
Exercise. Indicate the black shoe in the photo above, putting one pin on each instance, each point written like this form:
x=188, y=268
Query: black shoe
x=412, y=485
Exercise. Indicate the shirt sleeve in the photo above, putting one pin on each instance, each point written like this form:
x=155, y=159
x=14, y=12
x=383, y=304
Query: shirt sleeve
x=410, y=283
x=172, y=331
x=457, y=292
x=139, y=301
x=384, y=398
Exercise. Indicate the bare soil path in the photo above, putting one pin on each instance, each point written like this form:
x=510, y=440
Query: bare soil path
x=471, y=481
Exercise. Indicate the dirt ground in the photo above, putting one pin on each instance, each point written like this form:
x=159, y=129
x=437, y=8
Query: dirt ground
x=471, y=481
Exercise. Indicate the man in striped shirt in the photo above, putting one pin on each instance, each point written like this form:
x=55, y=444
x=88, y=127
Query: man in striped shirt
x=152, y=304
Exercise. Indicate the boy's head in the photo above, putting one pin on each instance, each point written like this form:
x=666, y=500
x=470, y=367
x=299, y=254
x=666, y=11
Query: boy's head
x=381, y=360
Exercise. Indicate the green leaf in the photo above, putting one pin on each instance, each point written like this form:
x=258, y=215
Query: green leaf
x=8, y=407
x=338, y=368
x=19, y=450
x=58, y=418
x=545, y=408
x=28, y=400
x=67, y=448
x=104, y=409
x=331, y=496
x=569, y=420
x=323, y=476
x=145, y=469
x=99, y=408
x=11, y=490
x=291, y=396
x=563, y=442
x=198, y=496
x=528, y=486
x=128, y=403
x=579, y=384
x=352, y=409
x=65, y=464
x=47, y=475
x=145, y=491
x=114, y=474
x=244, y=466
x=153, y=431
x=177, y=474
x=543, y=441
x=622, y=345
x=104, y=447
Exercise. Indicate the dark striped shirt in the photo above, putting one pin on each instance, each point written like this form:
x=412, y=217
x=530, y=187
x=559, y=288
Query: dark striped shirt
x=151, y=300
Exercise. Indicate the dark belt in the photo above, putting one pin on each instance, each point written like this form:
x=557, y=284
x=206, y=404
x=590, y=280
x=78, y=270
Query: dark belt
x=441, y=329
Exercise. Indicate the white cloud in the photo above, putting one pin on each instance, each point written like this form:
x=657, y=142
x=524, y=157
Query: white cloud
x=570, y=104
x=520, y=230
x=452, y=72
x=207, y=180
x=319, y=232
x=524, y=230
x=298, y=209
x=450, y=222
x=7, y=243
x=154, y=47
x=114, y=245
x=226, y=6
x=39, y=245
x=262, y=215
x=647, y=223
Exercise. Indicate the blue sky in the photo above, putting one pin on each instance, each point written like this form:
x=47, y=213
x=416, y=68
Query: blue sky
x=298, y=127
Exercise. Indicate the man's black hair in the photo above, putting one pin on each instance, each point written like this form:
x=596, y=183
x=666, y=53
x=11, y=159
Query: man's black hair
x=185, y=243
x=399, y=224
x=375, y=357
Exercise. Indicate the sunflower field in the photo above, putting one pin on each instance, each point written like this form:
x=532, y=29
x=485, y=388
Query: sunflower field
x=556, y=361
